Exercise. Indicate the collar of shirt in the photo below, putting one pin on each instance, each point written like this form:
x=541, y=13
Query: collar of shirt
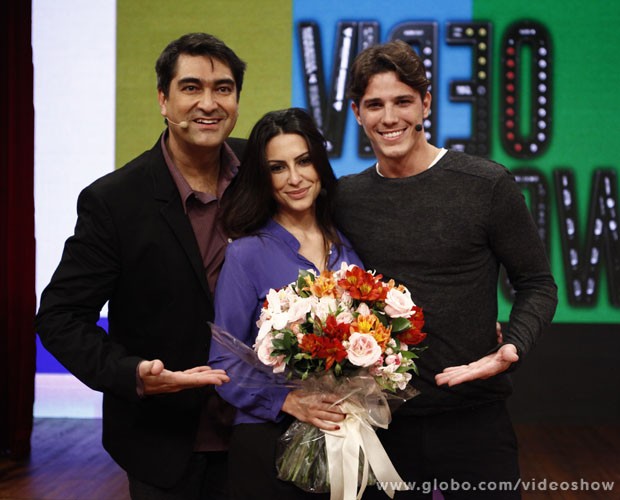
x=277, y=231
x=272, y=228
x=229, y=165
x=439, y=156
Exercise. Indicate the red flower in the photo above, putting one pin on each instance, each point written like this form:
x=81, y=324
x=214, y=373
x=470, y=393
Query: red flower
x=329, y=349
x=414, y=335
x=417, y=318
x=362, y=285
x=335, y=330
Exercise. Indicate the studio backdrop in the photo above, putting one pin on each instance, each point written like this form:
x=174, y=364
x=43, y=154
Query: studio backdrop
x=531, y=85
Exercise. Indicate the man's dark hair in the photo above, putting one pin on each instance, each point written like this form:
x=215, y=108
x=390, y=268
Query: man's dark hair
x=396, y=56
x=196, y=44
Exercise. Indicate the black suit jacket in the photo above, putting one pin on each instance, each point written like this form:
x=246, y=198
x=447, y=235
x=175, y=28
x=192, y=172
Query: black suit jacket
x=134, y=247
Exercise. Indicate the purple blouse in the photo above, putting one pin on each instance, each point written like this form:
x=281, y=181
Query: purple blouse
x=252, y=266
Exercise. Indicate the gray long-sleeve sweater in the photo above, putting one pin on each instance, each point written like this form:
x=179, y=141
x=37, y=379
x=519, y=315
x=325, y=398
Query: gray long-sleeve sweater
x=443, y=233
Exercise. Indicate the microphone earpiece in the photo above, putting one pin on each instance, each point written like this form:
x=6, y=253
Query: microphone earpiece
x=184, y=124
x=418, y=127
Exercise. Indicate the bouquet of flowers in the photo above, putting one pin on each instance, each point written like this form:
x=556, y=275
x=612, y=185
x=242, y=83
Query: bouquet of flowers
x=350, y=334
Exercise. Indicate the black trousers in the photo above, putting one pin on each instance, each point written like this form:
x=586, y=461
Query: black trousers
x=467, y=454
x=205, y=479
x=252, y=471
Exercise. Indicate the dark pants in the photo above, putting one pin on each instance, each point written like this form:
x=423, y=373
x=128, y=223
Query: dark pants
x=252, y=471
x=467, y=454
x=205, y=479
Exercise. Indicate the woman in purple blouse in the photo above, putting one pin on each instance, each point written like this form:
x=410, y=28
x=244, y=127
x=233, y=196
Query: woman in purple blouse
x=279, y=213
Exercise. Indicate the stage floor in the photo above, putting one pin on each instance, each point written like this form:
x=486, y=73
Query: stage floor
x=69, y=463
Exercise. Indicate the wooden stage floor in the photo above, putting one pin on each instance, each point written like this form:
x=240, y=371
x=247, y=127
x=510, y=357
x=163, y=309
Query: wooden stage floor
x=69, y=463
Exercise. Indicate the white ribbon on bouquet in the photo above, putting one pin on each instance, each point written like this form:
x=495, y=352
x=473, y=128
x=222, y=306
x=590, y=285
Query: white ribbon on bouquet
x=343, y=456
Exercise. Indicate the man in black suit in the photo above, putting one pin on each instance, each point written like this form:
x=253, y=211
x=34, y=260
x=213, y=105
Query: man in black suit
x=148, y=241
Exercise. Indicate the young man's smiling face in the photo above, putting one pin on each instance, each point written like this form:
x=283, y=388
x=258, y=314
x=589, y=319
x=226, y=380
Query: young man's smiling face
x=389, y=111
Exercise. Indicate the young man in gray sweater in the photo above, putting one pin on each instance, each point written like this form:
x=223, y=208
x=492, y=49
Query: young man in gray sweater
x=442, y=222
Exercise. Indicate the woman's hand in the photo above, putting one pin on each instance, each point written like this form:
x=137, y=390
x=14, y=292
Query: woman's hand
x=320, y=410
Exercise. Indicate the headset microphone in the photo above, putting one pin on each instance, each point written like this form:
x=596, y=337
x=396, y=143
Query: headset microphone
x=418, y=127
x=184, y=124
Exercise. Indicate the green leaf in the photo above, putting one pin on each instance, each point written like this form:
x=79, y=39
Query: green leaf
x=405, y=369
x=408, y=355
x=277, y=343
x=301, y=282
x=400, y=325
x=381, y=316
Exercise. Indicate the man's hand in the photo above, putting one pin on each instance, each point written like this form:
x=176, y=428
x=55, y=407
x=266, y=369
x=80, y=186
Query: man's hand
x=158, y=380
x=486, y=367
x=317, y=409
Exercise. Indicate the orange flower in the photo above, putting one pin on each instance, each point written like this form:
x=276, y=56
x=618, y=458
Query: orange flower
x=371, y=324
x=382, y=335
x=362, y=285
x=365, y=324
x=324, y=285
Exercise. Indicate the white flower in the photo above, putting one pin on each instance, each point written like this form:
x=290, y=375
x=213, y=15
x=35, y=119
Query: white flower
x=395, y=380
x=346, y=300
x=394, y=360
x=280, y=320
x=363, y=309
x=324, y=307
x=276, y=300
x=363, y=349
x=401, y=379
x=299, y=307
x=344, y=267
x=264, y=327
x=398, y=303
x=389, y=369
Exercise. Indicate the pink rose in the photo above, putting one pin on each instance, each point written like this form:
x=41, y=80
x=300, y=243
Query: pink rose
x=363, y=349
x=263, y=351
x=345, y=317
x=398, y=303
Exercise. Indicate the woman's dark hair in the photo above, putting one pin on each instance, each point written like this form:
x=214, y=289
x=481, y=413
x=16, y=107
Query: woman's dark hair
x=249, y=203
x=196, y=44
